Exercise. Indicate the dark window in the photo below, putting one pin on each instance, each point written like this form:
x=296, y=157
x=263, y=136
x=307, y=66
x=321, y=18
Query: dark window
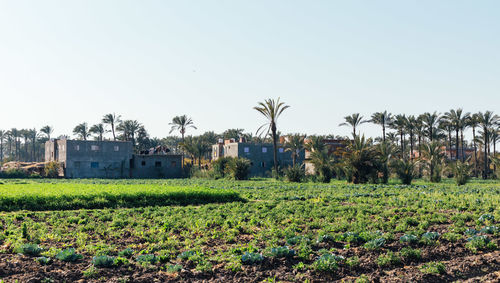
x=157, y=163
x=143, y=163
x=94, y=164
x=263, y=164
x=173, y=164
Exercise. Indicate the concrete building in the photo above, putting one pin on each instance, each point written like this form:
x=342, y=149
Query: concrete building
x=109, y=159
x=259, y=154
x=335, y=147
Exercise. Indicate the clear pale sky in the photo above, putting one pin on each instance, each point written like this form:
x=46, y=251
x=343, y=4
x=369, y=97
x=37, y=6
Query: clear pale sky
x=66, y=62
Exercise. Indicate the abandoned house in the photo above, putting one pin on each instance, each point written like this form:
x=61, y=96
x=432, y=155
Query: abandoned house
x=259, y=154
x=111, y=159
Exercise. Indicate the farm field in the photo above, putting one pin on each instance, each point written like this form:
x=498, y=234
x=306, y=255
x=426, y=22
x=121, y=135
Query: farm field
x=247, y=231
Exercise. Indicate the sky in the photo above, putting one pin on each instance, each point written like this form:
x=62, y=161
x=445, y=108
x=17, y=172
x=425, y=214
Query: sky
x=67, y=62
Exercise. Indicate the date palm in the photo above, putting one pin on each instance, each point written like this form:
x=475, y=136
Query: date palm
x=487, y=120
x=98, y=130
x=295, y=144
x=82, y=131
x=383, y=119
x=129, y=129
x=399, y=124
x=432, y=157
x=411, y=127
x=2, y=139
x=47, y=130
x=431, y=122
x=458, y=120
x=181, y=123
x=271, y=109
x=112, y=120
x=473, y=122
x=353, y=120
x=447, y=126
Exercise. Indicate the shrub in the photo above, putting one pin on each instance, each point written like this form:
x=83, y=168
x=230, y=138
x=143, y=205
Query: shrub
x=251, y=258
x=405, y=169
x=328, y=262
x=128, y=252
x=239, y=168
x=13, y=173
x=103, y=261
x=295, y=173
x=51, y=169
x=220, y=167
x=477, y=243
x=461, y=171
x=69, y=255
x=430, y=237
x=433, y=268
x=30, y=249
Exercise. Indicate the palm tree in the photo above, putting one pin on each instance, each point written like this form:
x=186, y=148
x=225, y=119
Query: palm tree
x=486, y=121
x=399, y=124
x=272, y=109
x=47, y=130
x=15, y=135
x=98, y=130
x=446, y=125
x=354, y=120
x=26, y=136
x=411, y=125
x=431, y=122
x=459, y=121
x=112, y=120
x=473, y=122
x=181, y=123
x=82, y=130
x=34, y=137
x=129, y=129
x=295, y=144
x=385, y=151
x=383, y=119
x=432, y=156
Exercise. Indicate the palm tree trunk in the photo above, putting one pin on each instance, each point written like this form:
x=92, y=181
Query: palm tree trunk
x=383, y=132
x=462, y=138
x=457, y=143
x=475, y=150
x=275, y=149
x=113, y=130
x=485, y=172
x=411, y=145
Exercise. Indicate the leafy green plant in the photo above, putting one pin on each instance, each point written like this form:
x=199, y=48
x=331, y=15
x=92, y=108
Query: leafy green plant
x=44, y=260
x=328, y=262
x=489, y=230
x=128, y=252
x=486, y=217
x=295, y=173
x=239, y=168
x=103, y=261
x=408, y=238
x=30, y=249
x=186, y=255
x=173, y=268
x=461, y=171
x=433, y=267
x=430, y=237
x=409, y=254
x=388, y=259
x=281, y=252
x=69, y=255
x=251, y=258
x=375, y=244
x=147, y=258
x=480, y=242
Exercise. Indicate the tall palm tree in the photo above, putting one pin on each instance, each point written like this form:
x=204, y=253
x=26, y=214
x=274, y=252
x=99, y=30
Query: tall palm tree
x=129, y=129
x=353, y=120
x=473, y=122
x=181, y=123
x=10, y=139
x=112, y=120
x=47, y=130
x=272, y=109
x=431, y=122
x=399, y=124
x=295, y=144
x=26, y=136
x=459, y=121
x=487, y=120
x=411, y=126
x=33, y=133
x=82, y=130
x=98, y=130
x=432, y=156
x=446, y=125
x=15, y=135
x=383, y=119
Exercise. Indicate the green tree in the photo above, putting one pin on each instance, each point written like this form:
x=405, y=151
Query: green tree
x=361, y=161
x=487, y=120
x=82, y=131
x=271, y=109
x=431, y=123
x=294, y=144
x=399, y=123
x=128, y=130
x=432, y=158
x=353, y=120
x=383, y=119
x=112, y=120
x=98, y=130
x=473, y=122
x=181, y=123
x=47, y=130
x=458, y=120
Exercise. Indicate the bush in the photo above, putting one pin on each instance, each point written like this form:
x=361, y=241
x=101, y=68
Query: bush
x=410, y=254
x=408, y=238
x=478, y=243
x=433, y=268
x=69, y=255
x=281, y=252
x=51, y=169
x=375, y=244
x=295, y=173
x=220, y=167
x=239, y=168
x=13, y=174
x=328, y=262
x=405, y=169
x=461, y=171
x=388, y=259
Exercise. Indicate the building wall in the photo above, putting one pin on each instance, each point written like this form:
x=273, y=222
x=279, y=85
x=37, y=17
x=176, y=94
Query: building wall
x=96, y=159
x=156, y=166
x=261, y=156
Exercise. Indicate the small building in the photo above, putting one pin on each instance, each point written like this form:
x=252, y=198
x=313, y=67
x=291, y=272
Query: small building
x=110, y=159
x=259, y=154
x=335, y=147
